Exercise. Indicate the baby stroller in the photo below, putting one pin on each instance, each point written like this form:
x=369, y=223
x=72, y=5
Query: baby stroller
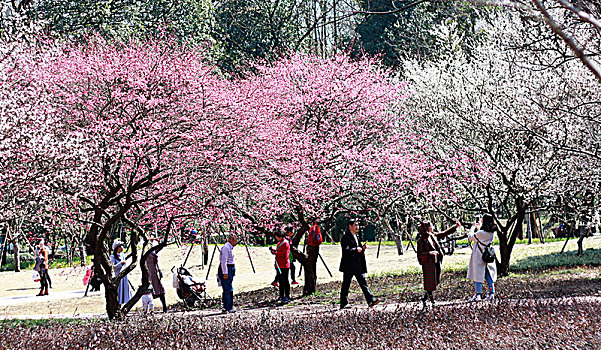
x=189, y=290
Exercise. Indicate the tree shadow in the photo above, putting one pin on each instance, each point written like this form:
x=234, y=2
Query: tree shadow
x=18, y=289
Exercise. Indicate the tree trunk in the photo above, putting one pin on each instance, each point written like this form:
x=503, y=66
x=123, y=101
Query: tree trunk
x=82, y=254
x=113, y=309
x=311, y=270
x=68, y=251
x=4, y=250
x=3, y=246
x=17, y=256
x=507, y=239
x=582, y=233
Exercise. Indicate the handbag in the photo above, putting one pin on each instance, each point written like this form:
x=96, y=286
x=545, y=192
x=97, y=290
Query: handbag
x=36, y=276
x=488, y=253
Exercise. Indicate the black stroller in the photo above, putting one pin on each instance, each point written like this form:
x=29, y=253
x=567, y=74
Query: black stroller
x=192, y=292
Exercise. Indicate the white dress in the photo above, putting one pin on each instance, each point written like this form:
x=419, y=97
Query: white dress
x=477, y=267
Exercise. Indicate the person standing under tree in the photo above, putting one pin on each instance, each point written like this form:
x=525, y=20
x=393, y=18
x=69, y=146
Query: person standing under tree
x=41, y=265
x=155, y=274
x=282, y=265
x=478, y=270
x=429, y=256
x=353, y=264
x=226, y=272
x=118, y=261
x=314, y=239
x=42, y=246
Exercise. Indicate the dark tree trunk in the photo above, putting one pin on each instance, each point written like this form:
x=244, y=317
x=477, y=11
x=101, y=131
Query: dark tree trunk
x=2, y=245
x=17, y=256
x=82, y=254
x=582, y=233
x=68, y=251
x=4, y=250
x=507, y=239
x=311, y=270
x=113, y=309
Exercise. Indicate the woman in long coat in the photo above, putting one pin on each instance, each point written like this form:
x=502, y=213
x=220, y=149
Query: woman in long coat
x=118, y=261
x=429, y=255
x=479, y=271
x=155, y=275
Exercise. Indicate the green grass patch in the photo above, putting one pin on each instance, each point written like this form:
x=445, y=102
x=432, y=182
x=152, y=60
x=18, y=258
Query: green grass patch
x=57, y=263
x=31, y=323
x=590, y=257
x=520, y=241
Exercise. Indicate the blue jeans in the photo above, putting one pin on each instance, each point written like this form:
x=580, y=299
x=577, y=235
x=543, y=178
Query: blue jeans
x=491, y=284
x=228, y=289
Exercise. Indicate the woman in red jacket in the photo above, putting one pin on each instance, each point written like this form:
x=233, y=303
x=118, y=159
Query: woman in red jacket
x=282, y=265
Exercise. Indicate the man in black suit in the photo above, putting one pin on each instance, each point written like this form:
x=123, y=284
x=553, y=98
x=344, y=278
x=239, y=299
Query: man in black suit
x=353, y=264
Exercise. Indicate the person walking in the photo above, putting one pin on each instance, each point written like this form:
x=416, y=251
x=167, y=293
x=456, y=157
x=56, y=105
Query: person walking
x=95, y=281
x=429, y=256
x=226, y=273
x=282, y=265
x=353, y=264
x=314, y=240
x=118, y=261
x=38, y=249
x=41, y=266
x=155, y=274
x=482, y=234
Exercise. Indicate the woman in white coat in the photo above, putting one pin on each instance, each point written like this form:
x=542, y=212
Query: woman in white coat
x=479, y=271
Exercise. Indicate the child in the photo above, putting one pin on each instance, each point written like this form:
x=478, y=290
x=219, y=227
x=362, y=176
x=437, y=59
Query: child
x=147, y=301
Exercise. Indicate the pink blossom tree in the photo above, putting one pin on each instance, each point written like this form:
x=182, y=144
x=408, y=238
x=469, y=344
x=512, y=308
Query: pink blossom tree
x=137, y=128
x=327, y=137
x=145, y=135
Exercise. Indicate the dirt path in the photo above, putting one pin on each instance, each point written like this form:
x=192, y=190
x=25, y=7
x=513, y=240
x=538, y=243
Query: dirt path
x=17, y=290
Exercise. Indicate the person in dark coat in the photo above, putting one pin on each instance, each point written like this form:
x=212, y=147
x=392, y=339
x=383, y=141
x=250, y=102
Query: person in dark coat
x=353, y=264
x=429, y=255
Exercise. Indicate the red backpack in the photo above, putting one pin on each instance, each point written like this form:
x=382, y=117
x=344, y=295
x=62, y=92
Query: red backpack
x=315, y=238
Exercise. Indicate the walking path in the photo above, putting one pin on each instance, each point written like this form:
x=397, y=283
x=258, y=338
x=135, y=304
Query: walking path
x=18, y=292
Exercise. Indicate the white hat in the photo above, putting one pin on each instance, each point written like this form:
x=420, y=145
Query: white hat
x=117, y=244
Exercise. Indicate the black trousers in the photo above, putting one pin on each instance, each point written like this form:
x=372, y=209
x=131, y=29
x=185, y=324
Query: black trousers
x=292, y=272
x=282, y=278
x=43, y=279
x=346, y=284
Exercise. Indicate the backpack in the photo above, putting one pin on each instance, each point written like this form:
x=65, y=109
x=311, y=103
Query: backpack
x=488, y=253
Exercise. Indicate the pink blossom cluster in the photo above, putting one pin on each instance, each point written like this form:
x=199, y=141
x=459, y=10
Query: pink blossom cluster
x=152, y=128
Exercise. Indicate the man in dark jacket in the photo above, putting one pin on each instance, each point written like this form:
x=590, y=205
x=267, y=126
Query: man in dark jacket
x=353, y=264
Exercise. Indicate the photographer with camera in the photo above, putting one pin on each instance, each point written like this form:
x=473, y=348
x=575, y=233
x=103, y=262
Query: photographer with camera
x=429, y=256
x=482, y=262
